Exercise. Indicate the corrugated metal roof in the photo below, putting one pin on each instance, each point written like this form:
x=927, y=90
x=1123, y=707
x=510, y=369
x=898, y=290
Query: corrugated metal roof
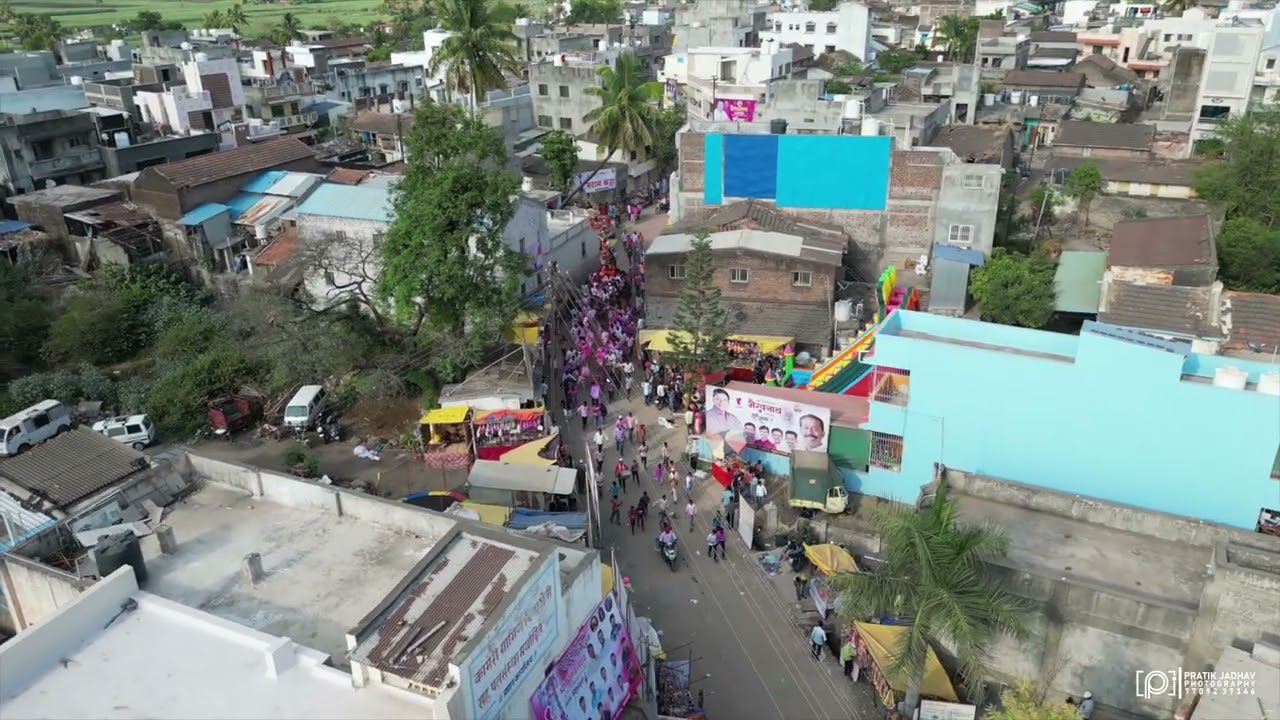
x=760, y=241
x=12, y=226
x=1181, y=310
x=241, y=203
x=521, y=477
x=1162, y=242
x=968, y=256
x=362, y=202
x=1077, y=283
x=948, y=283
x=203, y=213
x=263, y=211
x=294, y=184
x=1253, y=318
x=1091, y=134
x=260, y=183
x=73, y=466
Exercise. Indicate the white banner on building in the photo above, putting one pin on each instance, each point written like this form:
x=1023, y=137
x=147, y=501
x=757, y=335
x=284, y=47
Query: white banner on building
x=606, y=179
x=746, y=520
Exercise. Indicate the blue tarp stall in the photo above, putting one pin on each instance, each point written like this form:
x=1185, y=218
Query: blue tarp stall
x=523, y=519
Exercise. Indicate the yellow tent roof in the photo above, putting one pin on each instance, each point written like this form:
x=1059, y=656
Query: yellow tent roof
x=606, y=579
x=882, y=642
x=489, y=514
x=528, y=453
x=660, y=340
x=831, y=559
x=445, y=415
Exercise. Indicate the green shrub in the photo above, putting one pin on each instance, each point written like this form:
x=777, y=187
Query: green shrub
x=68, y=386
x=95, y=328
x=178, y=403
x=190, y=335
x=132, y=395
x=296, y=454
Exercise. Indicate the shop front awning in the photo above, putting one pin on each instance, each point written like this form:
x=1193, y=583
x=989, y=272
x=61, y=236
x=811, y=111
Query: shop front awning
x=507, y=415
x=830, y=559
x=445, y=415
x=882, y=642
x=661, y=340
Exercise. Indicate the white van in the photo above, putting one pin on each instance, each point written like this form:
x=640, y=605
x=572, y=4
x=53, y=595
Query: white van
x=36, y=424
x=306, y=407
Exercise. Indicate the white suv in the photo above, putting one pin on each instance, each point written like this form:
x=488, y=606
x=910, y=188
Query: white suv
x=135, y=430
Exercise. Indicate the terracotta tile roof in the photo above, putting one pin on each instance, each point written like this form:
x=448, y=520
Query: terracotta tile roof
x=1252, y=318
x=1044, y=79
x=762, y=216
x=1119, y=136
x=1052, y=36
x=1162, y=242
x=347, y=176
x=280, y=250
x=983, y=143
x=1156, y=172
x=73, y=466
x=1180, y=310
x=217, y=166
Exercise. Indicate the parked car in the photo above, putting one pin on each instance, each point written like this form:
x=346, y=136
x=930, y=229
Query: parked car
x=306, y=407
x=134, y=430
x=38, y=423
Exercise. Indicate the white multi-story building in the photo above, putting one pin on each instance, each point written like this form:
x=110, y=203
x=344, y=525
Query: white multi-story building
x=728, y=83
x=1226, y=83
x=846, y=29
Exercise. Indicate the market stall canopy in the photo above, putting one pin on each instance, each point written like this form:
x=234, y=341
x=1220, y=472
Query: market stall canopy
x=445, y=416
x=507, y=415
x=830, y=559
x=529, y=453
x=522, y=477
x=489, y=514
x=882, y=642
x=660, y=340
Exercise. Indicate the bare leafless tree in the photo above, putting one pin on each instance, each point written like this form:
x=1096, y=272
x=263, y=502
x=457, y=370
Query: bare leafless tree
x=348, y=264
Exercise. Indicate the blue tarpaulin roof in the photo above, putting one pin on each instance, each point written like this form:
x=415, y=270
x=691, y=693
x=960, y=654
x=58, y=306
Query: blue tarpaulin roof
x=203, y=213
x=958, y=254
x=12, y=226
x=344, y=201
x=263, y=182
x=242, y=202
x=523, y=519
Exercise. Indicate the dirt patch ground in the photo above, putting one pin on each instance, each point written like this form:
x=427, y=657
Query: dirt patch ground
x=383, y=418
x=1107, y=210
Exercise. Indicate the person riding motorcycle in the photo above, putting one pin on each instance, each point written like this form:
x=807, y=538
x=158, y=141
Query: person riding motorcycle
x=666, y=537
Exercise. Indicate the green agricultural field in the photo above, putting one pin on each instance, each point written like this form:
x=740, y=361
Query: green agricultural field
x=94, y=13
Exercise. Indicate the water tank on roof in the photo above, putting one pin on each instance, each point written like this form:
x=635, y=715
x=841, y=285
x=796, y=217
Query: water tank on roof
x=526, y=183
x=1269, y=383
x=1230, y=377
x=988, y=99
x=77, y=80
x=185, y=45
x=1015, y=97
x=870, y=126
x=122, y=139
x=115, y=551
x=844, y=311
x=1033, y=100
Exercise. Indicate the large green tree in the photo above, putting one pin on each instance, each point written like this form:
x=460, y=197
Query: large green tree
x=24, y=321
x=1084, y=183
x=481, y=49
x=1249, y=255
x=1015, y=289
x=959, y=35
x=288, y=29
x=585, y=12
x=701, y=321
x=1021, y=701
x=936, y=573
x=627, y=118
x=664, y=149
x=446, y=270
x=559, y=150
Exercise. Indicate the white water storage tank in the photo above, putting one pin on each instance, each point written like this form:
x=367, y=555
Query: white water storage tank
x=988, y=99
x=1269, y=384
x=526, y=184
x=1033, y=100
x=844, y=311
x=77, y=80
x=852, y=107
x=122, y=139
x=870, y=126
x=1015, y=97
x=1230, y=377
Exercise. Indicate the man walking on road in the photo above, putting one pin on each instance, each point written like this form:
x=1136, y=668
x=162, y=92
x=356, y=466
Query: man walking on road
x=711, y=545
x=634, y=516
x=643, y=508
x=615, y=514
x=818, y=637
x=720, y=542
x=582, y=413
x=692, y=511
x=598, y=439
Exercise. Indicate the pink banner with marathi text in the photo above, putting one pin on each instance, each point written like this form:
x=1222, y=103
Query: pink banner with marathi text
x=731, y=110
x=596, y=675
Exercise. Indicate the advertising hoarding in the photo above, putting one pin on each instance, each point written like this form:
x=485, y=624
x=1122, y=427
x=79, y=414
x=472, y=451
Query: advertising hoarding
x=606, y=179
x=733, y=110
x=598, y=672
x=747, y=420
x=496, y=668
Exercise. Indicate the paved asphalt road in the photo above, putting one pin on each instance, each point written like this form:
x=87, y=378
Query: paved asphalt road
x=737, y=624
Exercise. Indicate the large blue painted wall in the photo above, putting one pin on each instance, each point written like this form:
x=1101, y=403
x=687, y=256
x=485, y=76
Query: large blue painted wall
x=845, y=172
x=1117, y=423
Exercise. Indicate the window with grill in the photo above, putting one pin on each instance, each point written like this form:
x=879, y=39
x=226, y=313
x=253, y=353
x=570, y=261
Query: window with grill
x=544, y=121
x=810, y=27
x=542, y=89
x=739, y=275
x=564, y=91
x=972, y=182
x=566, y=123
x=831, y=28
x=801, y=278
x=677, y=272
x=886, y=451
x=960, y=235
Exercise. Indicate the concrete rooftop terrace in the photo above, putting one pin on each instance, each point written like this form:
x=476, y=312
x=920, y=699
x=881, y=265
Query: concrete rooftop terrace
x=1095, y=555
x=116, y=652
x=322, y=573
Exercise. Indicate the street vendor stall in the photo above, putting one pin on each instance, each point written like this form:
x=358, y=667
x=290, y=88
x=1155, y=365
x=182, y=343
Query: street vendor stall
x=521, y=485
x=445, y=438
x=877, y=647
x=498, y=432
x=747, y=351
x=828, y=559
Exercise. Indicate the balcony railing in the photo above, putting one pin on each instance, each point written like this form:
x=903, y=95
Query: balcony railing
x=289, y=121
x=65, y=164
x=305, y=87
x=890, y=386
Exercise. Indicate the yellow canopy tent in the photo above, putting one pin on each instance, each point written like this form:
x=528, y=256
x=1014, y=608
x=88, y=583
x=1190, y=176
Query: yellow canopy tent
x=882, y=642
x=660, y=340
x=528, y=453
x=445, y=415
x=524, y=329
x=606, y=579
x=830, y=559
x=489, y=514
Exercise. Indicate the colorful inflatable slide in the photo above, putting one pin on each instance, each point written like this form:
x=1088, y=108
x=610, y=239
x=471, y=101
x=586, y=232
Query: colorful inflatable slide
x=843, y=373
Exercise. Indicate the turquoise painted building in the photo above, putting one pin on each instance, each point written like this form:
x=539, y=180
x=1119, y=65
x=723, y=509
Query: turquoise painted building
x=1110, y=414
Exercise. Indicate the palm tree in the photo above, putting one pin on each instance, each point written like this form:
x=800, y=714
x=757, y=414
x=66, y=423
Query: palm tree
x=480, y=50
x=288, y=29
x=627, y=118
x=959, y=35
x=936, y=572
x=214, y=19
x=235, y=17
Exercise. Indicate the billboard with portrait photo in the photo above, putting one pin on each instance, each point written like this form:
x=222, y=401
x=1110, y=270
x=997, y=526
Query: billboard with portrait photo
x=742, y=419
x=597, y=674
